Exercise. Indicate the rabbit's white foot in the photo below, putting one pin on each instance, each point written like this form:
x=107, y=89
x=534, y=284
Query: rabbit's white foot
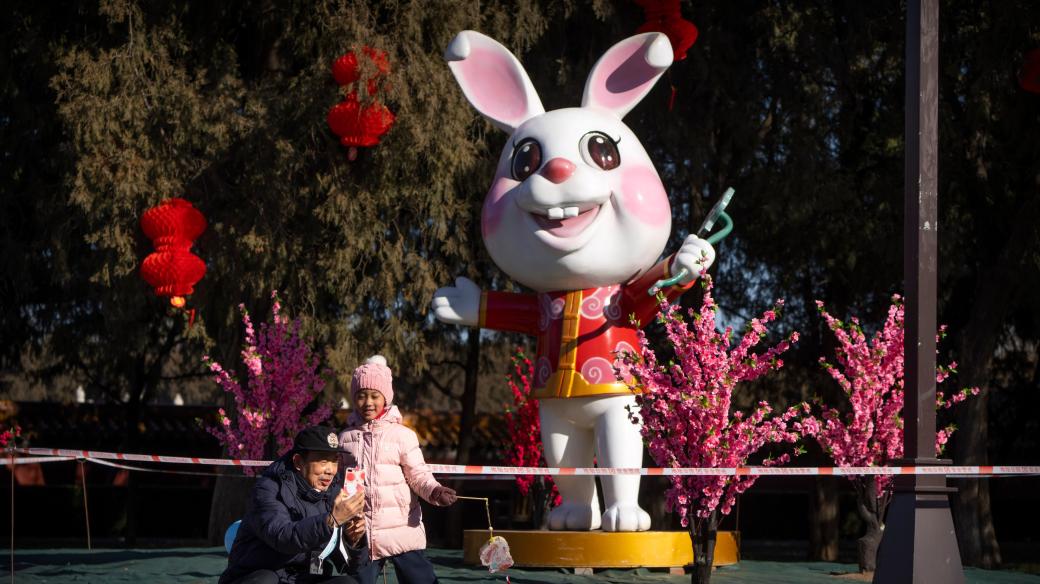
x=625, y=517
x=575, y=517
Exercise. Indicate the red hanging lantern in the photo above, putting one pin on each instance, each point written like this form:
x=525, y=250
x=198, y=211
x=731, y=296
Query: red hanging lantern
x=172, y=270
x=664, y=16
x=382, y=62
x=1029, y=75
x=379, y=58
x=357, y=125
x=345, y=69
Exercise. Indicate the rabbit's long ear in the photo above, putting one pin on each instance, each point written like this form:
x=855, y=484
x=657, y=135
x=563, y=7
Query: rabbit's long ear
x=625, y=74
x=493, y=80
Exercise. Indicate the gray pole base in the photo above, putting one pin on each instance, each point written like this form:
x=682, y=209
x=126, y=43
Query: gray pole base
x=919, y=545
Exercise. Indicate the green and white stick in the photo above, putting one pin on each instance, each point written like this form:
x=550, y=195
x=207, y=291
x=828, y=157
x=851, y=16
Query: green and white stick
x=717, y=213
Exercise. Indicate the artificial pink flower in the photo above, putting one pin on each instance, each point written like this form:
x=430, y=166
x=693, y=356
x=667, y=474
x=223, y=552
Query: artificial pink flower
x=283, y=378
x=686, y=406
x=870, y=372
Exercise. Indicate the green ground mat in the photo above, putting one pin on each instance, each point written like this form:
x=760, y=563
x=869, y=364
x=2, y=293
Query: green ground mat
x=196, y=565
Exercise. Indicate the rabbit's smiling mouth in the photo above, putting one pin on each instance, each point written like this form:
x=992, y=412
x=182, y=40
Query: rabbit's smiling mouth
x=566, y=221
x=570, y=226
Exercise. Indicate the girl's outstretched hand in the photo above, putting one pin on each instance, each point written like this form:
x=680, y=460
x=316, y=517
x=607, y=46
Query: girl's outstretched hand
x=443, y=496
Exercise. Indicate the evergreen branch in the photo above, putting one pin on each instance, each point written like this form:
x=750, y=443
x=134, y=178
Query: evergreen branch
x=427, y=376
x=182, y=376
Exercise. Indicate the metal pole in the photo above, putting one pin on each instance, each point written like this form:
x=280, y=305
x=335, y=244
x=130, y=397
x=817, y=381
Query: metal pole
x=11, y=468
x=86, y=510
x=920, y=227
x=919, y=544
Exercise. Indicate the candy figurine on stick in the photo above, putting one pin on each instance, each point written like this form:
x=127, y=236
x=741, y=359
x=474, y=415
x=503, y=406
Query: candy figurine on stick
x=495, y=554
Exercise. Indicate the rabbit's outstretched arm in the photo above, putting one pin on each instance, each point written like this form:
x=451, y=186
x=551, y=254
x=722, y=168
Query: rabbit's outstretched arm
x=466, y=304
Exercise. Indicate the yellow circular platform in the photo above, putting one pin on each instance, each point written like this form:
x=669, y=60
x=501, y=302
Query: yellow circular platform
x=600, y=549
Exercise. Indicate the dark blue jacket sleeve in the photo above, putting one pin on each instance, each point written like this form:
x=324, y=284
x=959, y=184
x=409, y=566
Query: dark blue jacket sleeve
x=277, y=529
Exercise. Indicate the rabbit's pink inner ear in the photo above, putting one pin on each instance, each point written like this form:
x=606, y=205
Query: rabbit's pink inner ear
x=494, y=84
x=622, y=77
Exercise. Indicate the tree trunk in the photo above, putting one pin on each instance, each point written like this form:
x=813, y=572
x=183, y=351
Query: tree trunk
x=976, y=536
x=703, y=532
x=541, y=503
x=867, y=548
x=871, y=509
x=469, y=397
x=466, y=421
x=995, y=295
x=130, y=535
x=823, y=520
x=231, y=492
x=230, y=501
x=132, y=437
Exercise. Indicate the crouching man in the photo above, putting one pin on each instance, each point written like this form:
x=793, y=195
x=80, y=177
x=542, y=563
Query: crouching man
x=301, y=527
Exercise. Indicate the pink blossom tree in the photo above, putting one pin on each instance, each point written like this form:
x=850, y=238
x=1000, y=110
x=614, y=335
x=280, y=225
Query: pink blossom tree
x=870, y=431
x=525, y=439
x=11, y=437
x=688, y=418
x=283, y=377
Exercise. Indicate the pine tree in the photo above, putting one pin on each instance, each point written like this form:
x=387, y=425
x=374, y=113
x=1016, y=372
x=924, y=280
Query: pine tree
x=111, y=106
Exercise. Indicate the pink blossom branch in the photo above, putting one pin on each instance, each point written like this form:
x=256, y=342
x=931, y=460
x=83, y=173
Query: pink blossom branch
x=686, y=406
x=283, y=377
x=870, y=372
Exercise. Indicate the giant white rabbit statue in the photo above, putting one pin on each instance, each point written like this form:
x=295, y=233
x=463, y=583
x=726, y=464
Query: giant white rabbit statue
x=577, y=213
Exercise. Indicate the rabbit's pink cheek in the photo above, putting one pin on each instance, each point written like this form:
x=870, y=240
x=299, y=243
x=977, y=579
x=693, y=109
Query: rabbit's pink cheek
x=495, y=204
x=643, y=196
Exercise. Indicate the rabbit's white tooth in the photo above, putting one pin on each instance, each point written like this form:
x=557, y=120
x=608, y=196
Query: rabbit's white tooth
x=555, y=213
x=570, y=211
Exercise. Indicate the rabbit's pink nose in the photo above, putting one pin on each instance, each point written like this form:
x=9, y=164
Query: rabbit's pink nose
x=558, y=170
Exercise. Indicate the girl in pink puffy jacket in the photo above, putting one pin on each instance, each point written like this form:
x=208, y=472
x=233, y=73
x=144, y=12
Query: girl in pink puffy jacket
x=395, y=473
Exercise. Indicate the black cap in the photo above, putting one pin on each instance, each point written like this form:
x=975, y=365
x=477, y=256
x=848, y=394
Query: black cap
x=316, y=439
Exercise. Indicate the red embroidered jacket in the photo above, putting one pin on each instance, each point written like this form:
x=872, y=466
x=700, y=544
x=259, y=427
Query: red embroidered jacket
x=579, y=332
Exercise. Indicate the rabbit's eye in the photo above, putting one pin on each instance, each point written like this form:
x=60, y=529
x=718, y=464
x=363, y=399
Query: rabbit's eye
x=600, y=149
x=527, y=157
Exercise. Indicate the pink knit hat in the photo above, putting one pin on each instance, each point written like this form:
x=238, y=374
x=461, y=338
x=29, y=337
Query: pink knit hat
x=374, y=374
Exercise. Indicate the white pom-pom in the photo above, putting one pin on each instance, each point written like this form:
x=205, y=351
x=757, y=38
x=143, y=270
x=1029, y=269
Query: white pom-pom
x=377, y=359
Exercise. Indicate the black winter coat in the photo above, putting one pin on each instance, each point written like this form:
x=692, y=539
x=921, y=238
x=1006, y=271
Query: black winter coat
x=284, y=525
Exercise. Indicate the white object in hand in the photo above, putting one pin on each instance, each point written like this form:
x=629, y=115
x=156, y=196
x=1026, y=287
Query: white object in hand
x=352, y=480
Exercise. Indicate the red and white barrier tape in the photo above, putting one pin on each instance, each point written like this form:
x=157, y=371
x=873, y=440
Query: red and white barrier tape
x=531, y=470
x=35, y=459
x=155, y=470
x=140, y=457
x=213, y=474
x=747, y=470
